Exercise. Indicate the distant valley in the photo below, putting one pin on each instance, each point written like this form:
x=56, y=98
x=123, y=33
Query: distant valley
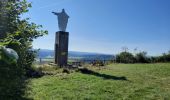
x=45, y=53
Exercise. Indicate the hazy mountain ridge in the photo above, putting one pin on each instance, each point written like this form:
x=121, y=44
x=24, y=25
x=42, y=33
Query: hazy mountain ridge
x=45, y=53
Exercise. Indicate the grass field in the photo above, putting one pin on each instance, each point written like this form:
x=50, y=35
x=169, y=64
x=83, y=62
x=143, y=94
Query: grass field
x=115, y=81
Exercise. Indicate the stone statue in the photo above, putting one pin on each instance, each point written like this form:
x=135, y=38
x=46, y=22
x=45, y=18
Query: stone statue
x=62, y=20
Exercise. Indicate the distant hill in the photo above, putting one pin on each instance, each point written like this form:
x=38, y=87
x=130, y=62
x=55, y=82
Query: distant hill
x=45, y=53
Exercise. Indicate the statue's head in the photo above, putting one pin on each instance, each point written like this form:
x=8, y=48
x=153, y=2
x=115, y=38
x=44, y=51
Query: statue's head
x=63, y=10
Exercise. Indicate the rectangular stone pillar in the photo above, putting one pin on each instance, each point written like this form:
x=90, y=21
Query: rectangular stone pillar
x=61, y=48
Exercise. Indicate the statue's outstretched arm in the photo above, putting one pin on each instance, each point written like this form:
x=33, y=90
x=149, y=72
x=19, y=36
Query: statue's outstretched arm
x=55, y=13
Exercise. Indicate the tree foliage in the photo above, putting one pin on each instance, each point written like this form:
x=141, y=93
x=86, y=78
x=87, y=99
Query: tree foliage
x=141, y=57
x=125, y=57
x=21, y=32
x=19, y=35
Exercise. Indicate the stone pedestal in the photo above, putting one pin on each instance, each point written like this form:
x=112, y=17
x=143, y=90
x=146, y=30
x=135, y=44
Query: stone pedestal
x=61, y=48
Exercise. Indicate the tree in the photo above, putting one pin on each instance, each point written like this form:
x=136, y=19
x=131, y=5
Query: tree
x=125, y=57
x=3, y=24
x=19, y=35
x=141, y=57
x=125, y=49
x=21, y=32
x=165, y=57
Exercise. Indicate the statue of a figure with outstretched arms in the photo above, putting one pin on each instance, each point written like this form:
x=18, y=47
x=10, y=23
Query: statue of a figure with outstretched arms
x=62, y=20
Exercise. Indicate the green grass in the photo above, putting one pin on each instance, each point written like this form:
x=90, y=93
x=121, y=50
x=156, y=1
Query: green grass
x=144, y=82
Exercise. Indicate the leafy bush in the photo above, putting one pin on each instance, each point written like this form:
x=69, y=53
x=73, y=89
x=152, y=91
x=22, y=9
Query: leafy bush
x=21, y=33
x=142, y=58
x=18, y=35
x=125, y=57
x=11, y=75
x=165, y=57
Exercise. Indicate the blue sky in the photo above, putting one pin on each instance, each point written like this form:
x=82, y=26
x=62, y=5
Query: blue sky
x=105, y=26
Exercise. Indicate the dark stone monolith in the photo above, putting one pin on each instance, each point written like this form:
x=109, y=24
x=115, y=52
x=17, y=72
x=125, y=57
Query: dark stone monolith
x=61, y=48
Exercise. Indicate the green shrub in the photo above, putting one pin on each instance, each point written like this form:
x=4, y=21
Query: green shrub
x=125, y=57
x=142, y=58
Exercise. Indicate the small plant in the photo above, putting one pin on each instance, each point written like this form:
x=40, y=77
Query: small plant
x=66, y=70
